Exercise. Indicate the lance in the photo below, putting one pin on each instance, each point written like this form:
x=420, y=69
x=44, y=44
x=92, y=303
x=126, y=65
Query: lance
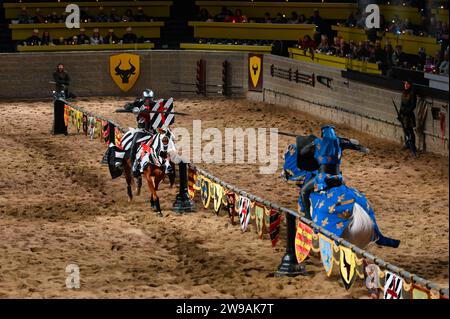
x=131, y=111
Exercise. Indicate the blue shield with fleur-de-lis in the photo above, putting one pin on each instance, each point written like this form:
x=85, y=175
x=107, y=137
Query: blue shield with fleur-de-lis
x=326, y=253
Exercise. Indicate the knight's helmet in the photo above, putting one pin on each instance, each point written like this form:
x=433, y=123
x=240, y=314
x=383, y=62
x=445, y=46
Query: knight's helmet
x=148, y=94
x=328, y=131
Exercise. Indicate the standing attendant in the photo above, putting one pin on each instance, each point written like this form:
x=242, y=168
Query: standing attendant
x=407, y=116
x=62, y=79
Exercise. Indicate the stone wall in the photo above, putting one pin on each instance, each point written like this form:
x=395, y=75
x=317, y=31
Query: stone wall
x=362, y=107
x=91, y=76
x=354, y=104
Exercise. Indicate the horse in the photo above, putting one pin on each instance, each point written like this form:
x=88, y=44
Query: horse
x=341, y=210
x=119, y=163
x=155, y=160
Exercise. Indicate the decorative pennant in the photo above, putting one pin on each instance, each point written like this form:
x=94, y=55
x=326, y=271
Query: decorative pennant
x=217, y=196
x=79, y=121
x=105, y=131
x=73, y=116
x=393, y=286
x=205, y=191
x=244, y=206
x=347, y=266
x=303, y=241
x=197, y=185
x=98, y=127
x=91, y=127
x=66, y=115
x=315, y=242
x=260, y=220
x=418, y=292
x=85, y=124
x=373, y=285
x=192, y=179
x=274, y=225
x=231, y=205
x=117, y=138
x=326, y=253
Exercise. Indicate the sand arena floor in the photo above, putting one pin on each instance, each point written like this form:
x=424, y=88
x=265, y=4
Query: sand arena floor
x=58, y=205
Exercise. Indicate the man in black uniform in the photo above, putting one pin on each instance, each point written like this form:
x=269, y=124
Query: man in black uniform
x=407, y=116
x=62, y=80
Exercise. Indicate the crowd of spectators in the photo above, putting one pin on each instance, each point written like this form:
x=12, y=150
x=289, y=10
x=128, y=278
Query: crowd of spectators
x=100, y=16
x=82, y=38
x=373, y=52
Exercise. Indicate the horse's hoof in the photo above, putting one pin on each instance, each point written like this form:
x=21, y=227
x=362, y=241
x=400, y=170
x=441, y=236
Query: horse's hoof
x=138, y=192
x=159, y=214
x=130, y=199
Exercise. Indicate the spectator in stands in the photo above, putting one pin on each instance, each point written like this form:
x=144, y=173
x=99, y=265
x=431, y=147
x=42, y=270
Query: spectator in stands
x=343, y=49
x=335, y=46
x=24, y=17
x=307, y=43
x=238, y=17
x=73, y=40
x=421, y=57
x=302, y=19
x=96, y=37
x=113, y=16
x=110, y=38
x=267, y=18
x=378, y=55
x=46, y=38
x=398, y=57
x=84, y=15
x=82, y=37
x=128, y=16
x=281, y=18
x=317, y=20
x=294, y=18
x=129, y=37
x=34, y=38
x=60, y=41
x=353, y=50
x=430, y=66
x=363, y=52
x=221, y=16
x=351, y=21
x=101, y=15
x=54, y=18
x=203, y=15
x=140, y=16
x=443, y=67
x=324, y=46
x=39, y=18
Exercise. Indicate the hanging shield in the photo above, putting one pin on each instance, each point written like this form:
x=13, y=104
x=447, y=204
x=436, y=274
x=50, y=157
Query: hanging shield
x=217, y=195
x=244, y=212
x=124, y=69
x=326, y=253
x=205, y=192
x=255, y=64
x=347, y=266
x=231, y=205
x=419, y=292
x=192, y=179
x=259, y=219
x=303, y=241
x=66, y=114
x=393, y=286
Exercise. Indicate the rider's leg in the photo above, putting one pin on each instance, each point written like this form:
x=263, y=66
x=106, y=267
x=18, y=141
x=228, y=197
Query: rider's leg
x=305, y=192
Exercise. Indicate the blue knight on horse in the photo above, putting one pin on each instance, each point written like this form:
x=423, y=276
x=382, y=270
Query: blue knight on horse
x=313, y=164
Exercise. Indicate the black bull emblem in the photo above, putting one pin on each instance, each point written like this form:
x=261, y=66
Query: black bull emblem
x=125, y=74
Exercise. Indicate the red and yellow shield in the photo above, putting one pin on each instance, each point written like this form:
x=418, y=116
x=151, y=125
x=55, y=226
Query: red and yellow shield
x=303, y=241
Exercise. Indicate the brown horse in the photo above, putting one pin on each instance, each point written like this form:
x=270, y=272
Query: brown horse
x=153, y=173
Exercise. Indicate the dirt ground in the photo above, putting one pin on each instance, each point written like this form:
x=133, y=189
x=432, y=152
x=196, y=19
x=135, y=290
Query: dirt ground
x=59, y=206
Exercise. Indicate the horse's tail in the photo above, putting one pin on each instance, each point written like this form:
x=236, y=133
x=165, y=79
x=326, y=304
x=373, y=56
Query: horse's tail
x=360, y=231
